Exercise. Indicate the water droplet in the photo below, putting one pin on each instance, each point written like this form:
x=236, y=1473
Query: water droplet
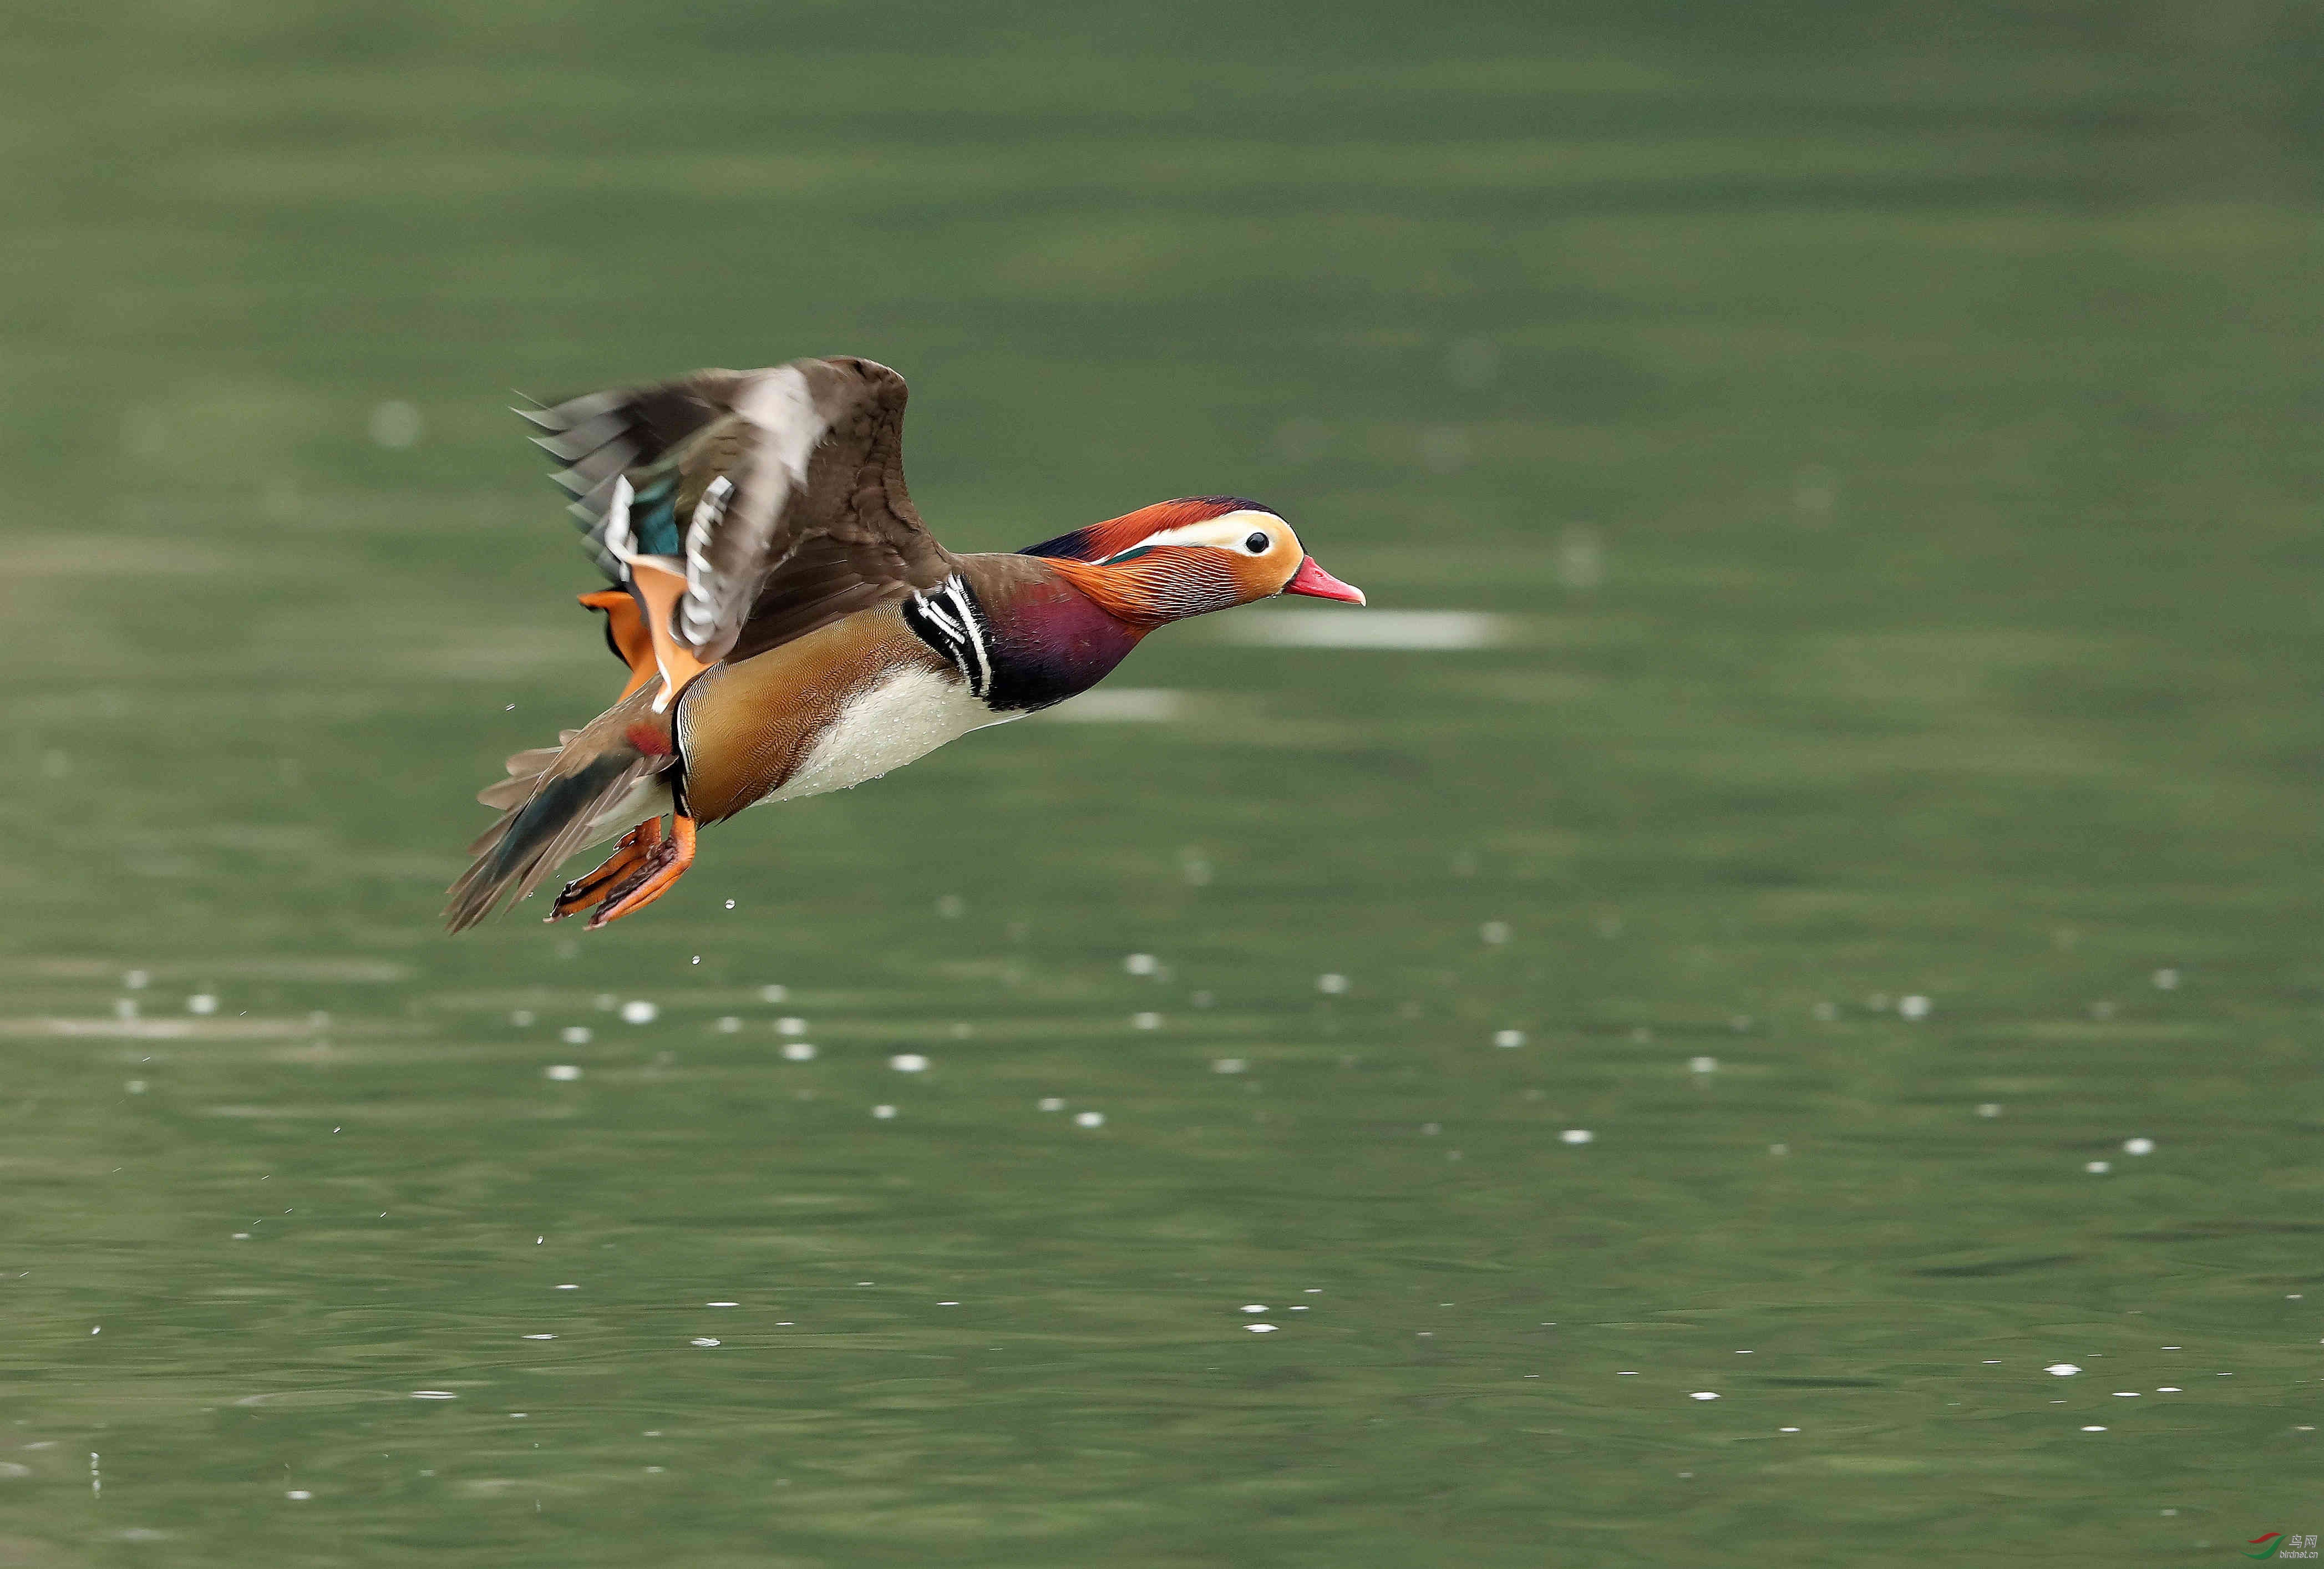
x=908, y=1061
x=1704, y=1395
x=2138, y=1145
x=1913, y=1007
x=2061, y=1369
x=1089, y=1119
x=883, y=1113
x=1254, y=1307
x=639, y=1011
x=1576, y=1136
x=1261, y=1328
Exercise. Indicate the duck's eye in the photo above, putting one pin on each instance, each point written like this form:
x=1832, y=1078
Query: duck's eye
x=1258, y=544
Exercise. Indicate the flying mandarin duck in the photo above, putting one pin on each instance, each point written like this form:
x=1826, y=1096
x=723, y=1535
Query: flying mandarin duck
x=791, y=628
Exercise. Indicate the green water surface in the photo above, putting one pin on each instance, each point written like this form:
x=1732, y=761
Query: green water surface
x=1886, y=441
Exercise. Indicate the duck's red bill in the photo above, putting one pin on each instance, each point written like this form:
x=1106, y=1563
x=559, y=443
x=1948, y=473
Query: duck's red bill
x=1314, y=581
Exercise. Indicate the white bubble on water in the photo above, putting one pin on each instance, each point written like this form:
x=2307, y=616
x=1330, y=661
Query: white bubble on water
x=574, y=1035
x=1703, y=1065
x=1506, y=1039
x=798, y=1051
x=639, y=1011
x=521, y=1018
x=1913, y=1007
x=1825, y=1012
x=136, y=1086
x=908, y=1061
x=2061, y=1369
x=1331, y=986
x=394, y=424
x=1229, y=1064
x=883, y=1113
x=1576, y=1136
x=1261, y=1328
x=1494, y=932
x=137, y=980
x=2166, y=980
x=730, y=904
x=1089, y=1119
x=1989, y=1109
x=951, y=907
x=434, y=1395
x=563, y=1072
x=1052, y=1103
x=2138, y=1145
x=2098, y=1168
x=2093, y=1427
x=774, y=993
x=1704, y=1395
x=1141, y=964
x=202, y=1003
x=704, y=1340
x=300, y=1494
x=1146, y=1021
x=790, y=1027
x=730, y=1025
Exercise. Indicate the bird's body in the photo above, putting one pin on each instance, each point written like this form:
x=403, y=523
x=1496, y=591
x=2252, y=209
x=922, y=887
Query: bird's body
x=801, y=633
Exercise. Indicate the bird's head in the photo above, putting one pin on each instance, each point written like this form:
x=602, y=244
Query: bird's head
x=1179, y=558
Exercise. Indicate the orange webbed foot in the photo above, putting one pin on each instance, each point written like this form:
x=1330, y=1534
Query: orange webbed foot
x=664, y=863
x=635, y=847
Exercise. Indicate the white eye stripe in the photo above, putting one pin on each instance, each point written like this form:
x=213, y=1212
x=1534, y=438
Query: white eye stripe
x=1224, y=533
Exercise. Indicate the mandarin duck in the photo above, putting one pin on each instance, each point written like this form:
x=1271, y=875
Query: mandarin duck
x=791, y=628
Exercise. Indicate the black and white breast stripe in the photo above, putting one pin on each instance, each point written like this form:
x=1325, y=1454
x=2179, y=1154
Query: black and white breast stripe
x=945, y=619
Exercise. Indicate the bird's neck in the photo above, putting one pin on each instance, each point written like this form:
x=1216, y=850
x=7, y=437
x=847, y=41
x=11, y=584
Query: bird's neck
x=1051, y=638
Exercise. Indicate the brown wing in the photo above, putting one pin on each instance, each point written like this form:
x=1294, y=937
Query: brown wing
x=778, y=493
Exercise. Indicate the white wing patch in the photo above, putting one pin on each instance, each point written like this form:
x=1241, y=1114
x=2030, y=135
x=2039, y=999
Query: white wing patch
x=780, y=403
x=701, y=620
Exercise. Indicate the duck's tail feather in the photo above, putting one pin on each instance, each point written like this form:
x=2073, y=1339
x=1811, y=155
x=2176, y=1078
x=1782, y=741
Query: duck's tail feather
x=554, y=802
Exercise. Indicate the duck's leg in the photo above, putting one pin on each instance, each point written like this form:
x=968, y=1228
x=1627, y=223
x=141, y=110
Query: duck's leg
x=664, y=864
x=639, y=844
x=661, y=588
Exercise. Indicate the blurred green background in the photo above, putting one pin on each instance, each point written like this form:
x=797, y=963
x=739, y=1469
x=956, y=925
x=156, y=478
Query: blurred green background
x=1879, y=803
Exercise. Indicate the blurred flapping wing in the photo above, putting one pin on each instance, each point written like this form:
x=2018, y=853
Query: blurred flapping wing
x=777, y=494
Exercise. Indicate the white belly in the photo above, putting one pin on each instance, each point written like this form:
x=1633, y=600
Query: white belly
x=907, y=717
